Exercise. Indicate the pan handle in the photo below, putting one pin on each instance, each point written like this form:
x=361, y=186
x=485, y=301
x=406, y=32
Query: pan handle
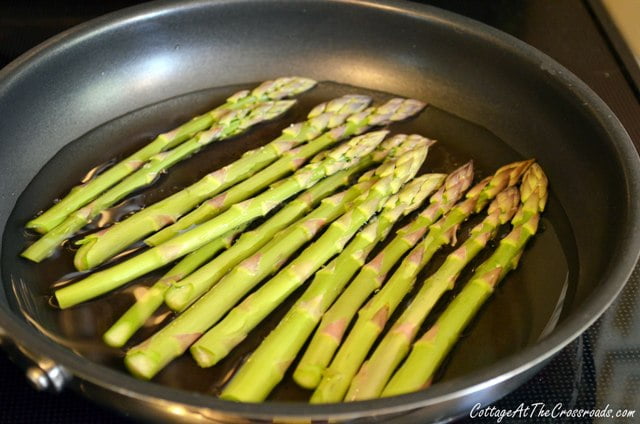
x=43, y=373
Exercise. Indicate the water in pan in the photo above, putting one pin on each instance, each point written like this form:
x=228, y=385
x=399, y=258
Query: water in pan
x=523, y=309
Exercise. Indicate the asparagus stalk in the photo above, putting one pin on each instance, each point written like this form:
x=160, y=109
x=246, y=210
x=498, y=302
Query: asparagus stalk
x=98, y=247
x=151, y=299
x=219, y=340
x=231, y=124
x=267, y=365
x=375, y=373
x=431, y=349
x=84, y=193
x=150, y=357
x=179, y=287
x=392, y=111
x=184, y=292
x=101, y=282
x=171, y=341
x=334, y=323
x=374, y=315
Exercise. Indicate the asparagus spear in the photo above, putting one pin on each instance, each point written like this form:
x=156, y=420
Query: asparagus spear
x=101, y=282
x=171, y=341
x=375, y=373
x=231, y=124
x=150, y=357
x=184, y=292
x=267, y=365
x=219, y=340
x=431, y=349
x=392, y=111
x=149, y=301
x=179, y=289
x=98, y=247
x=374, y=315
x=329, y=334
x=84, y=193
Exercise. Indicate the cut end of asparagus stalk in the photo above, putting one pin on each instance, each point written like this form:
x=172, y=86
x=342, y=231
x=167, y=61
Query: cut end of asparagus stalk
x=181, y=296
x=38, y=252
x=140, y=366
x=203, y=356
x=36, y=226
x=309, y=376
x=117, y=336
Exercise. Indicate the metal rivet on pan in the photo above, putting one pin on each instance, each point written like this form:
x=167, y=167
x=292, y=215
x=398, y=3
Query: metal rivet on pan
x=38, y=378
x=47, y=376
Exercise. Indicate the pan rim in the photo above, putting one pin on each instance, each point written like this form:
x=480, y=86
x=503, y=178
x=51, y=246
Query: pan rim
x=609, y=286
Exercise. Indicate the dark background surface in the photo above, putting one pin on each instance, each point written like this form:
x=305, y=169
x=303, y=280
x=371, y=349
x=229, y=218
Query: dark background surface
x=600, y=368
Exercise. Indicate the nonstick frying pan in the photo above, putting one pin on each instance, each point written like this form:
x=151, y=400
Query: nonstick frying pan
x=129, y=60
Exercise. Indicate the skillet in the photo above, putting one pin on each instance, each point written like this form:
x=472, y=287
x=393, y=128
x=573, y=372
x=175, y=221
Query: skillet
x=534, y=105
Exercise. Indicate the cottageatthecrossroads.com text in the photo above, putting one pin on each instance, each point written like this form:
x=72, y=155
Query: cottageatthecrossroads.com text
x=542, y=410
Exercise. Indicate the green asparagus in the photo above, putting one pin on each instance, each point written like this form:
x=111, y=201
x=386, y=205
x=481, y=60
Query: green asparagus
x=98, y=247
x=342, y=157
x=432, y=348
x=375, y=373
x=147, y=302
x=224, y=336
x=84, y=193
x=329, y=334
x=181, y=288
x=184, y=292
x=267, y=365
x=150, y=357
x=392, y=111
x=374, y=315
x=232, y=123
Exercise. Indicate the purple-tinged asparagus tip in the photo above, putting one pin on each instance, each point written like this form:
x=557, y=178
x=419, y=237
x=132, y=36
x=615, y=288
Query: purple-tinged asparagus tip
x=283, y=87
x=505, y=204
x=534, y=181
x=396, y=109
